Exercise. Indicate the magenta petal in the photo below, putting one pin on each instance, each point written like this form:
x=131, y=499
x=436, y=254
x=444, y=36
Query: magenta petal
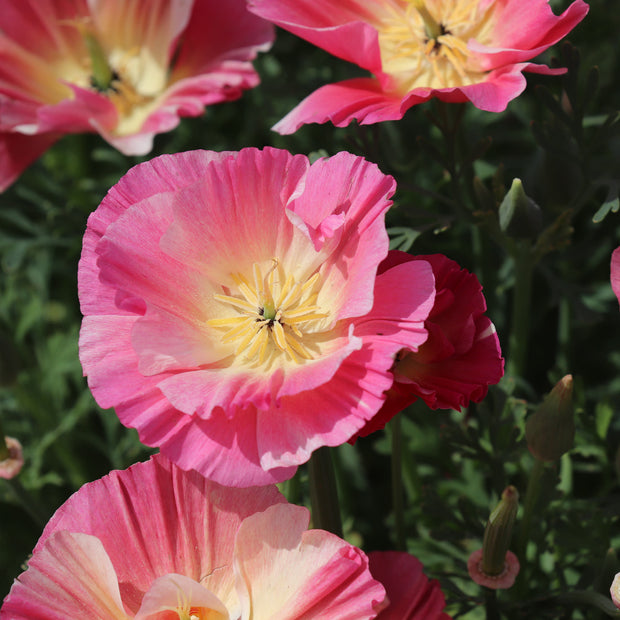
x=411, y=595
x=360, y=99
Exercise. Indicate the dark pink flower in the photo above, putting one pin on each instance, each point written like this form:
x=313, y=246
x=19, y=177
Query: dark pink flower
x=462, y=50
x=615, y=272
x=233, y=312
x=411, y=595
x=461, y=356
x=127, y=70
x=154, y=541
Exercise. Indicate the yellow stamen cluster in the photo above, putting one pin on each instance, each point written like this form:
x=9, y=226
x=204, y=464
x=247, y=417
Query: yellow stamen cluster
x=272, y=312
x=424, y=42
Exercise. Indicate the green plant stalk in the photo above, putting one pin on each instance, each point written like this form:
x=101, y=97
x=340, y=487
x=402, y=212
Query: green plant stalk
x=324, y=492
x=531, y=497
x=395, y=428
x=521, y=309
x=490, y=604
x=4, y=449
x=28, y=502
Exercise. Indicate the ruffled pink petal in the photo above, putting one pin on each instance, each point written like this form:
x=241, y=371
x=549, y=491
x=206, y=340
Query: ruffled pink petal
x=344, y=29
x=164, y=521
x=287, y=573
x=360, y=99
x=615, y=272
x=411, y=595
x=523, y=31
x=71, y=576
x=178, y=592
x=18, y=151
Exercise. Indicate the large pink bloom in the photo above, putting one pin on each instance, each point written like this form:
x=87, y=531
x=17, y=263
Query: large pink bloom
x=233, y=312
x=123, y=68
x=461, y=356
x=412, y=596
x=615, y=272
x=455, y=50
x=155, y=542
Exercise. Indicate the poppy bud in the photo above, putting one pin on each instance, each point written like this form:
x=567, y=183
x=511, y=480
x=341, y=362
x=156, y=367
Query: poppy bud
x=519, y=216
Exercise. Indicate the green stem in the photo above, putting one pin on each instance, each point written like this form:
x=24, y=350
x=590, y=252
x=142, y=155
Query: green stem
x=4, y=449
x=521, y=310
x=27, y=502
x=397, y=483
x=531, y=497
x=323, y=492
x=490, y=604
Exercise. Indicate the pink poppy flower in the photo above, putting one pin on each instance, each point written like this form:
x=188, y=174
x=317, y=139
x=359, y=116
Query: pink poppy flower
x=125, y=69
x=615, y=272
x=412, y=596
x=232, y=308
x=463, y=50
x=13, y=463
x=461, y=356
x=154, y=541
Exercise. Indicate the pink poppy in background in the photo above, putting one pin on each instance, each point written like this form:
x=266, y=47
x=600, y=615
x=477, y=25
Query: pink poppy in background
x=232, y=309
x=154, y=541
x=14, y=461
x=462, y=50
x=412, y=596
x=125, y=69
x=462, y=354
x=615, y=272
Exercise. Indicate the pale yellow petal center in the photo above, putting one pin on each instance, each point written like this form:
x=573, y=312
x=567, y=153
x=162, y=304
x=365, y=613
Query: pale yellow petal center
x=423, y=43
x=271, y=315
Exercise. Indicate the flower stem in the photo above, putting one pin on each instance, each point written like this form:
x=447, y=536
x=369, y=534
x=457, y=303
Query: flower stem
x=27, y=502
x=397, y=483
x=490, y=604
x=531, y=497
x=521, y=309
x=4, y=449
x=323, y=492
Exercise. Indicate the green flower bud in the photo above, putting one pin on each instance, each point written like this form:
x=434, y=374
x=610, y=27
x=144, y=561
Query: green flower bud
x=498, y=532
x=550, y=430
x=519, y=216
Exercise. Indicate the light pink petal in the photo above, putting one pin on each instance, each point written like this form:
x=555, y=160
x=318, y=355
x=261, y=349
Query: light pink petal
x=178, y=592
x=615, y=272
x=344, y=29
x=70, y=576
x=523, y=31
x=163, y=520
x=411, y=595
x=286, y=573
x=360, y=99
x=615, y=590
x=18, y=151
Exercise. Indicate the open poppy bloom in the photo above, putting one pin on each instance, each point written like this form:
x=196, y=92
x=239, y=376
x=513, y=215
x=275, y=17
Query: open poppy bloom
x=125, y=69
x=455, y=50
x=156, y=542
x=461, y=356
x=232, y=309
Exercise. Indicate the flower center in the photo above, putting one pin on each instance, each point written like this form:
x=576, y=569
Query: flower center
x=424, y=42
x=273, y=314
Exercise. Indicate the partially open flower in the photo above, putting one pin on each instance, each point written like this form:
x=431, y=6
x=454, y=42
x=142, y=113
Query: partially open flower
x=154, y=541
x=494, y=566
x=125, y=69
x=461, y=50
x=233, y=310
x=11, y=459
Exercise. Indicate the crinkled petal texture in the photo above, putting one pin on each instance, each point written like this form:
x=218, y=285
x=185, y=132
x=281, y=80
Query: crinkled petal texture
x=232, y=309
x=155, y=541
x=411, y=595
x=479, y=53
x=615, y=272
x=462, y=355
x=170, y=59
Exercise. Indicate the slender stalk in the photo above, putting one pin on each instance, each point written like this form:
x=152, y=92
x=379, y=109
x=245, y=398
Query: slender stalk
x=4, y=449
x=397, y=483
x=490, y=604
x=27, y=502
x=531, y=497
x=521, y=310
x=323, y=492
